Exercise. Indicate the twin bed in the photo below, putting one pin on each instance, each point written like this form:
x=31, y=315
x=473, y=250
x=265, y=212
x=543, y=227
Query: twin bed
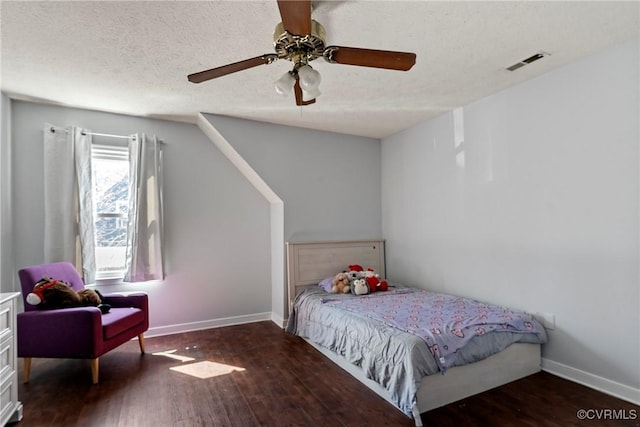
x=409, y=365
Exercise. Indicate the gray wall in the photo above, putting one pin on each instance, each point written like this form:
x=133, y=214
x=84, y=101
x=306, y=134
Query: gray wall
x=329, y=182
x=529, y=198
x=216, y=224
x=8, y=282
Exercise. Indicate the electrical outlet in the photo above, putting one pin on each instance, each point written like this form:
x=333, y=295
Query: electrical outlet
x=548, y=320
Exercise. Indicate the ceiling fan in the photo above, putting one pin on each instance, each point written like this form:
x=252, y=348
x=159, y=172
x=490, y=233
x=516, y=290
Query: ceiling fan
x=300, y=40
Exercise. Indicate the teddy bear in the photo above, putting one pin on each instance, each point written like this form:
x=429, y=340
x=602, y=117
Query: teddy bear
x=49, y=294
x=341, y=284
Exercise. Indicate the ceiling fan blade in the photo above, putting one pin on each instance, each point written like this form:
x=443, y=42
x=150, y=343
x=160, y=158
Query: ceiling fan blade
x=387, y=59
x=232, y=68
x=297, y=90
x=296, y=16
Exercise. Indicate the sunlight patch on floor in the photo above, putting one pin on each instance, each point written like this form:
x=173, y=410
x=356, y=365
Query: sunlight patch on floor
x=206, y=369
x=171, y=354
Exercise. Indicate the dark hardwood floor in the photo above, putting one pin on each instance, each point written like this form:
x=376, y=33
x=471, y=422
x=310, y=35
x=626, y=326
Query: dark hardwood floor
x=278, y=380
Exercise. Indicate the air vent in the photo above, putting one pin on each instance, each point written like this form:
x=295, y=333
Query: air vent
x=529, y=60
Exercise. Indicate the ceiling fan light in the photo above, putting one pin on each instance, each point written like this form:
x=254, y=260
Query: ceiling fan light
x=308, y=95
x=309, y=78
x=284, y=84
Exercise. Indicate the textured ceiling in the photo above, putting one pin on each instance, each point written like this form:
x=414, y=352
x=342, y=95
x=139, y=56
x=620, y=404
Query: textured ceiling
x=133, y=57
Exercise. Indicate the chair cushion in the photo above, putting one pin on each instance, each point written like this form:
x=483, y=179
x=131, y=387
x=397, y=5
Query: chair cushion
x=118, y=320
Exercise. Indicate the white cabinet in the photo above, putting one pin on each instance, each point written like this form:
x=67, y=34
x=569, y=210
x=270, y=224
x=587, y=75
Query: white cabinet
x=10, y=407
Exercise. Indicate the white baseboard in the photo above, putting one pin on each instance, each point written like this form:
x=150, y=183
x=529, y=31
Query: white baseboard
x=279, y=320
x=208, y=324
x=613, y=388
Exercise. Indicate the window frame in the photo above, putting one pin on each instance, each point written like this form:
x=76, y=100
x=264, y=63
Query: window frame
x=117, y=152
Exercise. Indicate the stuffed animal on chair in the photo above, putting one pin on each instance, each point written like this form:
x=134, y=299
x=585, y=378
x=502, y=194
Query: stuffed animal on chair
x=50, y=294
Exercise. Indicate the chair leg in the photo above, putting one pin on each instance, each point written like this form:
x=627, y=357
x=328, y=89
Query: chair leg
x=141, y=342
x=26, y=369
x=94, y=370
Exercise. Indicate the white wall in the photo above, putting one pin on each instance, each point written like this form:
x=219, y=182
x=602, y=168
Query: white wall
x=529, y=198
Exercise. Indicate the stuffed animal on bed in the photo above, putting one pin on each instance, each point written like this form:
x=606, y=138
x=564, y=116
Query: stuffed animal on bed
x=359, y=287
x=354, y=272
x=49, y=294
x=373, y=280
x=341, y=284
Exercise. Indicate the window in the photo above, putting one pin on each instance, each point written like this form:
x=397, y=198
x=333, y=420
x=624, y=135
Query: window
x=110, y=168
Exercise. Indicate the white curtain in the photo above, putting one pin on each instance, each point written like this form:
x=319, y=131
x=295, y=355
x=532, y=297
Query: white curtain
x=145, y=228
x=68, y=206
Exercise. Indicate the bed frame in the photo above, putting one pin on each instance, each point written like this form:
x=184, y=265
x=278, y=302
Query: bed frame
x=310, y=262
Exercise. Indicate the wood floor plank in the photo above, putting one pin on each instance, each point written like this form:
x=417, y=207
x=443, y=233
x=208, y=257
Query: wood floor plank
x=284, y=382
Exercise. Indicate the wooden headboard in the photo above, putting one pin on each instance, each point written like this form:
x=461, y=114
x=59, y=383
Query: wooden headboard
x=310, y=262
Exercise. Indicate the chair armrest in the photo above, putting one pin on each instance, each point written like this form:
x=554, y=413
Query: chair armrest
x=138, y=300
x=127, y=299
x=67, y=332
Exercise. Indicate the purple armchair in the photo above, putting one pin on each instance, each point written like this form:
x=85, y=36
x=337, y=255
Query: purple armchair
x=79, y=332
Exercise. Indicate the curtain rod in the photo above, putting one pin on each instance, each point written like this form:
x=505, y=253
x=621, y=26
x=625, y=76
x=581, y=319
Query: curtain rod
x=108, y=135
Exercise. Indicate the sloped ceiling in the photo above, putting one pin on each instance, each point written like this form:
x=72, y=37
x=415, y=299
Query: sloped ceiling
x=133, y=57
